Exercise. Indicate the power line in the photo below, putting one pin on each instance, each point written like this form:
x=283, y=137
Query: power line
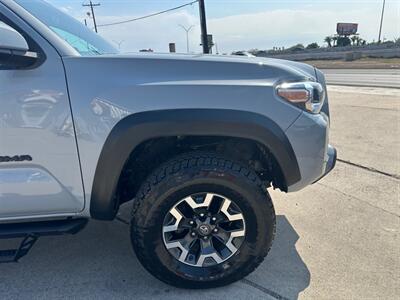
x=149, y=16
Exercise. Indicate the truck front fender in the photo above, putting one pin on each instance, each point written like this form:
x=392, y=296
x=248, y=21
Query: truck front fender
x=137, y=128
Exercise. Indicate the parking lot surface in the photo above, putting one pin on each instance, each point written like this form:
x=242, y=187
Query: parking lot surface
x=337, y=239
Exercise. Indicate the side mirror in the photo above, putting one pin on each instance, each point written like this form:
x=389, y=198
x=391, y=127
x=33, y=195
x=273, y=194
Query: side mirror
x=14, y=50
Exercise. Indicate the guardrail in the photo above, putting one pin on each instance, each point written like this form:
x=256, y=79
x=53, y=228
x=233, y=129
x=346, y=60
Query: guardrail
x=347, y=53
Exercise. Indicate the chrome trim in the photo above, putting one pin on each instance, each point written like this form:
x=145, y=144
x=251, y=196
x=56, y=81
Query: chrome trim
x=316, y=94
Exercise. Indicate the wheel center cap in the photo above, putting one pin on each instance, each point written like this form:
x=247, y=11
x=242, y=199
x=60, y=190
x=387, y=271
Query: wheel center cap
x=204, y=229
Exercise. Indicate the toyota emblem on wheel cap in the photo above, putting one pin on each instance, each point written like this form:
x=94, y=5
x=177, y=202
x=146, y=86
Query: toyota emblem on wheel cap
x=204, y=229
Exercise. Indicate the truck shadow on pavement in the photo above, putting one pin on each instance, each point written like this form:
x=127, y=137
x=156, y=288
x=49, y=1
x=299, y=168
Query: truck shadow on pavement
x=99, y=263
x=283, y=275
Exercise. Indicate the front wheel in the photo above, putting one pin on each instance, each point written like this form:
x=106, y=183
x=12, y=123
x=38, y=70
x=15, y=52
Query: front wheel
x=201, y=221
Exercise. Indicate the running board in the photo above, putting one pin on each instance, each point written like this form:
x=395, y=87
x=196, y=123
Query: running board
x=30, y=232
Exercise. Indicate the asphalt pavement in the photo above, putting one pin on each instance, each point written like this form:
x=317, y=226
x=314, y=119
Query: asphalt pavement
x=364, y=77
x=336, y=239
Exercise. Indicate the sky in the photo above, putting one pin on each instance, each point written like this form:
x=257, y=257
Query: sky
x=235, y=24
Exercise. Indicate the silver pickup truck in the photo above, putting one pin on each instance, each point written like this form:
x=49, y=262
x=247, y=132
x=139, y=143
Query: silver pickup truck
x=193, y=141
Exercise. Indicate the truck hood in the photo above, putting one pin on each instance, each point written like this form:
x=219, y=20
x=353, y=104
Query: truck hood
x=209, y=58
x=220, y=62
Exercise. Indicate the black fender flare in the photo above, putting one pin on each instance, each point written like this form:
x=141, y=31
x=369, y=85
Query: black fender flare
x=134, y=129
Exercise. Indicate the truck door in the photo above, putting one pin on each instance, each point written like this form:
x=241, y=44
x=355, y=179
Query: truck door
x=39, y=166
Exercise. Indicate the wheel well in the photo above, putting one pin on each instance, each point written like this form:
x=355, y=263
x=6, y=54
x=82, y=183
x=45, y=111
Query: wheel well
x=150, y=154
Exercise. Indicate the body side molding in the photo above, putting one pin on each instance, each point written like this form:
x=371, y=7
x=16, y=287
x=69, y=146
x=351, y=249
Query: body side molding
x=137, y=128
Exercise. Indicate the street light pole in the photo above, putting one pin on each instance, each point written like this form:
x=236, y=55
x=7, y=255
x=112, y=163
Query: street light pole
x=380, y=28
x=203, y=22
x=187, y=35
x=119, y=43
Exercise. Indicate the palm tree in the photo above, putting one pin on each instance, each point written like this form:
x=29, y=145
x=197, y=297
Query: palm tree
x=354, y=39
x=334, y=39
x=328, y=40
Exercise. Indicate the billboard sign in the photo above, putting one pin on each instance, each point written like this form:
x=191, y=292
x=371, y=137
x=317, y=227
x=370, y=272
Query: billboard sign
x=346, y=28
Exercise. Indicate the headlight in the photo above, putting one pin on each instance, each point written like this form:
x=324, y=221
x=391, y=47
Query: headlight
x=307, y=95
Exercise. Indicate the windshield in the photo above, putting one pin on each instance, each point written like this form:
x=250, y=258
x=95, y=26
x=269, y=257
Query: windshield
x=81, y=38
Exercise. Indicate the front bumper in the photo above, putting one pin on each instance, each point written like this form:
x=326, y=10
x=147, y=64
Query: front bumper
x=330, y=165
x=309, y=137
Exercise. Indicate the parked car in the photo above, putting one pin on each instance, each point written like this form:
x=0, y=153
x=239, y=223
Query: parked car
x=194, y=142
x=243, y=53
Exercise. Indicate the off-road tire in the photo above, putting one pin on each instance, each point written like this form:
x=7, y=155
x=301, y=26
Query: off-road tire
x=193, y=173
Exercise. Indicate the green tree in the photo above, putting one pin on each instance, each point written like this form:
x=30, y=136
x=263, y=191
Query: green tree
x=343, y=41
x=328, y=40
x=298, y=47
x=312, y=46
x=354, y=39
x=334, y=41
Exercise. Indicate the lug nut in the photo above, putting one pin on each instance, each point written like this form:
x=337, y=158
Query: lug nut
x=191, y=222
x=215, y=229
x=214, y=219
x=206, y=237
x=193, y=234
x=202, y=215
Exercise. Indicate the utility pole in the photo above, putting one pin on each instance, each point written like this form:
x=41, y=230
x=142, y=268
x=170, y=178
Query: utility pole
x=380, y=28
x=91, y=5
x=187, y=35
x=203, y=22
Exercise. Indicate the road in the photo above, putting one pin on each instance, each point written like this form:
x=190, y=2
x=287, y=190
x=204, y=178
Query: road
x=337, y=239
x=363, y=77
